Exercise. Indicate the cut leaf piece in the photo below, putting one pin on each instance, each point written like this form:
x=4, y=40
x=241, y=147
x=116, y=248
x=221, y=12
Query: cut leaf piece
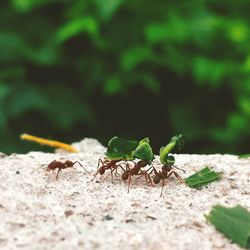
x=119, y=148
x=244, y=156
x=144, y=151
x=202, y=177
x=176, y=140
x=233, y=222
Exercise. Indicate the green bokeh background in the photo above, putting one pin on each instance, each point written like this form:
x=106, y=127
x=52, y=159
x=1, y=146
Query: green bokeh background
x=97, y=68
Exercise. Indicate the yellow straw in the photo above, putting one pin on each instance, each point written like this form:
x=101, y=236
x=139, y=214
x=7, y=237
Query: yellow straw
x=50, y=143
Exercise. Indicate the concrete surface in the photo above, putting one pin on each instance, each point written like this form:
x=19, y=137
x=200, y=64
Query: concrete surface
x=75, y=212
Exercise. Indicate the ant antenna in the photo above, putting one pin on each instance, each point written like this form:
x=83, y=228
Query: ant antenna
x=80, y=165
x=180, y=169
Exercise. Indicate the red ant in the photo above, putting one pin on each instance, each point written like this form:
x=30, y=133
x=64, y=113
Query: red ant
x=166, y=172
x=136, y=170
x=62, y=165
x=106, y=165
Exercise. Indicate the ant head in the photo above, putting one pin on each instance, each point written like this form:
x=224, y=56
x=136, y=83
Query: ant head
x=102, y=170
x=142, y=164
x=69, y=164
x=125, y=176
x=156, y=179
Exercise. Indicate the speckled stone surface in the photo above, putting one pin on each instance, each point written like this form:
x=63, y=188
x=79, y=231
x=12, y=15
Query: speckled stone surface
x=75, y=212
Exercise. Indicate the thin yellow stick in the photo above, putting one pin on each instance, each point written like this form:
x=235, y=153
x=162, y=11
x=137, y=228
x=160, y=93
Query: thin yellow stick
x=50, y=143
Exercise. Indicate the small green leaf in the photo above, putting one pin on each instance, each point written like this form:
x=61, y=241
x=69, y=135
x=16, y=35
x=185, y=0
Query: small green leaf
x=233, y=222
x=176, y=140
x=119, y=148
x=202, y=177
x=144, y=151
x=244, y=156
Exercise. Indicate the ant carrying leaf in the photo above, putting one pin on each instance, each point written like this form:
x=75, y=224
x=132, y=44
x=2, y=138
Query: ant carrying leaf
x=145, y=154
x=168, y=161
x=176, y=140
x=118, y=149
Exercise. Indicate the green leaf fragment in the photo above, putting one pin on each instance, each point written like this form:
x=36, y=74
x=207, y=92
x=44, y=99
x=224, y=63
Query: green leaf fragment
x=202, y=172
x=233, y=222
x=176, y=140
x=144, y=151
x=202, y=177
x=119, y=148
x=145, y=140
x=244, y=156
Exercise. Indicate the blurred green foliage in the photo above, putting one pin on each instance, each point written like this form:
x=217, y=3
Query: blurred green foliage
x=62, y=61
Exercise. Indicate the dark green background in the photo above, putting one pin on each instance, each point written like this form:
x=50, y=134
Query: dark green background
x=71, y=69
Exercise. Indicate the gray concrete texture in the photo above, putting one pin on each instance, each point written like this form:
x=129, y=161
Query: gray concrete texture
x=77, y=212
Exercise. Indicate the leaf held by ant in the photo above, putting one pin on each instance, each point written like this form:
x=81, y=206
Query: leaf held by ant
x=144, y=151
x=176, y=140
x=119, y=148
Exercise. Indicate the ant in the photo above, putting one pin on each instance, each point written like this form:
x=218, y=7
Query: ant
x=106, y=165
x=166, y=172
x=136, y=170
x=62, y=165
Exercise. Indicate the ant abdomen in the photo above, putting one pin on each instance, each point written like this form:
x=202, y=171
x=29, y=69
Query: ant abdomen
x=125, y=176
x=156, y=179
x=102, y=170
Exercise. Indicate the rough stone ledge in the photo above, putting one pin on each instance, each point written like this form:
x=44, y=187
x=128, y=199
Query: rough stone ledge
x=74, y=212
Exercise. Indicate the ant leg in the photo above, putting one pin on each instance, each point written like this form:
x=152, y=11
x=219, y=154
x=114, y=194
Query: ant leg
x=163, y=183
x=129, y=180
x=148, y=174
x=58, y=173
x=146, y=177
x=150, y=180
x=120, y=167
x=180, y=169
x=115, y=171
x=142, y=173
x=80, y=165
x=112, y=176
x=111, y=173
x=153, y=170
x=98, y=167
x=38, y=168
x=176, y=175
x=108, y=175
x=99, y=161
x=115, y=168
